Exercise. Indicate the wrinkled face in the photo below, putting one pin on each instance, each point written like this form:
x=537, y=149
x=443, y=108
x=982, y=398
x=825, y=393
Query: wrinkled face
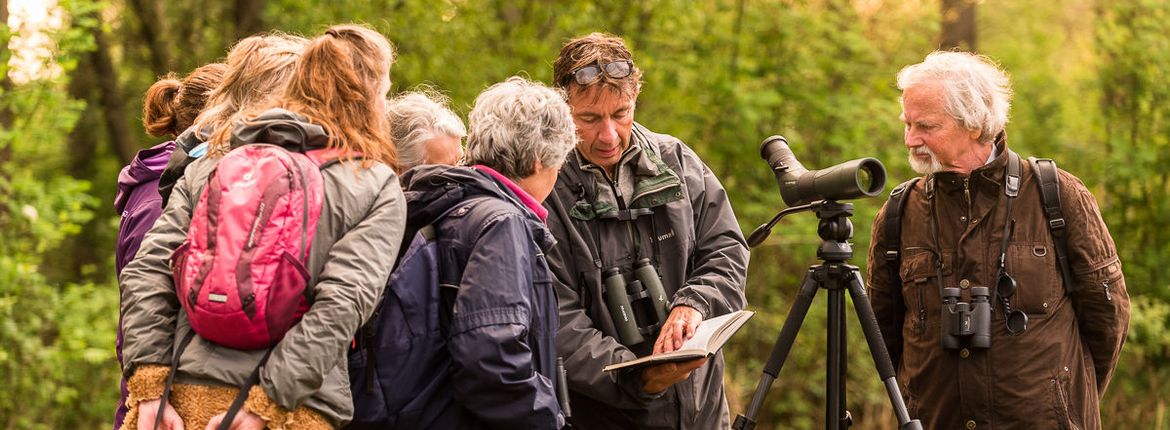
x=443, y=149
x=604, y=118
x=937, y=142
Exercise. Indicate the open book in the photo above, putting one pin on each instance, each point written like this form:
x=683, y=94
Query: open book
x=709, y=337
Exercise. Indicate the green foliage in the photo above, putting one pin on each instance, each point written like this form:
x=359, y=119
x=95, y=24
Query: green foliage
x=1089, y=78
x=1135, y=102
x=56, y=357
x=1137, y=396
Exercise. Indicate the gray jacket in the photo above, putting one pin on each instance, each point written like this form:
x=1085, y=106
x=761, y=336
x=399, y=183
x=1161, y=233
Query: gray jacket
x=358, y=235
x=701, y=256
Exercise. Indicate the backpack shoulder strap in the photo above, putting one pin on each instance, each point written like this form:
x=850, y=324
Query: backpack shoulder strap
x=1050, y=199
x=892, y=233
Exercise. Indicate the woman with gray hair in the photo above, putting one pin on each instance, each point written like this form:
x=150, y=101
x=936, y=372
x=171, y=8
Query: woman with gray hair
x=490, y=227
x=424, y=129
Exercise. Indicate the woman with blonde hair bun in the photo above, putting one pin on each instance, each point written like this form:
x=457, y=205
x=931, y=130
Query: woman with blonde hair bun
x=334, y=102
x=258, y=69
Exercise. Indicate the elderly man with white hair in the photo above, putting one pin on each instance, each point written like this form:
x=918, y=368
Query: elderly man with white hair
x=424, y=130
x=492, y=239
x=995, y=282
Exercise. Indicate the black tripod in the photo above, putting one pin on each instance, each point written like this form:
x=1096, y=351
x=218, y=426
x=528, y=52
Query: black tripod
x=834, y=275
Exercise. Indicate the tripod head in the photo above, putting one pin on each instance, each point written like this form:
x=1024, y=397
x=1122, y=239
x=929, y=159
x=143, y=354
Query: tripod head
x=835, y=229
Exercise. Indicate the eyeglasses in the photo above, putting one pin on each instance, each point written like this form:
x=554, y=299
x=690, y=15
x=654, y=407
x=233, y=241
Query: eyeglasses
x=589, y=74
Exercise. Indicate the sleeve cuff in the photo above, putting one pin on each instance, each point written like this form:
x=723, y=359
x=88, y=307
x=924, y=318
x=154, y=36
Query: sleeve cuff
x=263, y=406
x=694, y=302
x=147, y=383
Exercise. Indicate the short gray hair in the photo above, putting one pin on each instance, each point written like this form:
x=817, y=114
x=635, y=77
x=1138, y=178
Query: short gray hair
x=516, y=123
x=416, y=117
x=978, y=92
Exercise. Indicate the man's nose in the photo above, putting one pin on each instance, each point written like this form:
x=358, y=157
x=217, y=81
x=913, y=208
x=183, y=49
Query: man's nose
x=911, y=140
x=608, y=133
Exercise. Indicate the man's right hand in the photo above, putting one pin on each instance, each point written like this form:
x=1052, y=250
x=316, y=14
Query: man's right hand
x=659, y=377
x=148, y=410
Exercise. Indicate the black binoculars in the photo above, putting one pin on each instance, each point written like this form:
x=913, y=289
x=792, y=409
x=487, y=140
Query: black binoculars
x=637, y=306
x=961, y=320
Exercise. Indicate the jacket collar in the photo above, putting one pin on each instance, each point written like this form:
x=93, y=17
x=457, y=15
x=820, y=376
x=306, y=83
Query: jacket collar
x=432, y=190
x=987, y=175
x=526, y=199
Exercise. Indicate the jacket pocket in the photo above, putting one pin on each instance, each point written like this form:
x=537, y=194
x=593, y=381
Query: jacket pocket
x=1033, y=266
x=920, y=273
x=1058, y=388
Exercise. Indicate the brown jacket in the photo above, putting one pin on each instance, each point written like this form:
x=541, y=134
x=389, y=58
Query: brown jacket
x=1052, y=375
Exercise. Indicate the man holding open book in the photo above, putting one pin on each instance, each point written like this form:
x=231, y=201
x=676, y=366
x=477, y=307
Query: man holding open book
x=648, y=248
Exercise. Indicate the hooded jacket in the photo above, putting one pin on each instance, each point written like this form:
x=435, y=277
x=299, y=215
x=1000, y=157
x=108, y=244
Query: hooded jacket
x=692, y=238
x=304, y=383
x=502, y=333
x=138, y=200
x=1050, y=376
x=183, y=154
x=140, y=205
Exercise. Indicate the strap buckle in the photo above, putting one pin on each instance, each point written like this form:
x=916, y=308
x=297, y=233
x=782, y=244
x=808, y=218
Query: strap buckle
x=892, y=255
x=1056, y=224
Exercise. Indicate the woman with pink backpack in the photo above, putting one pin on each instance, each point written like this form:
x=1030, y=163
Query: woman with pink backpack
x=207, y=99
x=273, y=250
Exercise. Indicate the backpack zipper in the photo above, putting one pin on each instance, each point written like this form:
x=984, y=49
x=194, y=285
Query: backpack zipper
x=255, y=225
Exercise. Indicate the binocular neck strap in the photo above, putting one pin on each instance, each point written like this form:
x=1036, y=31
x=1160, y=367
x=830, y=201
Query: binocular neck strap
x=1011, y=189
x=938, y=264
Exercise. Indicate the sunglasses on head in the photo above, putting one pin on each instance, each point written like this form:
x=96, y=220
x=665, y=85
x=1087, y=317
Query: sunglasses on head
x=589, y=74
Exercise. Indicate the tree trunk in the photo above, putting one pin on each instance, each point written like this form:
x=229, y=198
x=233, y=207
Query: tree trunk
x=153, y=30
x=249, y=17
x=109, y=97
x=958, y=25
x=5, y=91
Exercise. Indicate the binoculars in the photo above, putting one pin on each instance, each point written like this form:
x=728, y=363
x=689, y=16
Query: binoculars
x=961, y=320
x=637, y=306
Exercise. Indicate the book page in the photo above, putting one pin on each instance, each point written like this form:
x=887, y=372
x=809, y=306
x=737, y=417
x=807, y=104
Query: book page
x=707, y=330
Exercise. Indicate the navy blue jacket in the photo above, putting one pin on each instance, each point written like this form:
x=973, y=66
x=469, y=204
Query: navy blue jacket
x=502, y=334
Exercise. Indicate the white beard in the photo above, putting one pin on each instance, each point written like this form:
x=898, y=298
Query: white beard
x=924, y=167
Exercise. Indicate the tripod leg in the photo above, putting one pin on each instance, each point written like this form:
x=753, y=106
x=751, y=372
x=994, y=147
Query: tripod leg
x=804, y=297
x=877, y=348
x=835, y=368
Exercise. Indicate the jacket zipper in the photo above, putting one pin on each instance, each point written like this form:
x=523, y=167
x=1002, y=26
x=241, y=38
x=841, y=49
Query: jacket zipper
x=621, y=201
x=967, y=194
x=1108, y=296
x=637, y=196
x=921, y=308
x=617, y=193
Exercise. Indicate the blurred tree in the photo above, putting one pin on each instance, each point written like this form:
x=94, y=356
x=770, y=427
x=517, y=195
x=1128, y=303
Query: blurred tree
x=1134, y=69
x=719, y=74
x=958, y=25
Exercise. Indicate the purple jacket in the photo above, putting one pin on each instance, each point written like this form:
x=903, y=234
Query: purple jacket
x=140, y=205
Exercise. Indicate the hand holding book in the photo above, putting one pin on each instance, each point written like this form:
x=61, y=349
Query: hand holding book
x=709, y=337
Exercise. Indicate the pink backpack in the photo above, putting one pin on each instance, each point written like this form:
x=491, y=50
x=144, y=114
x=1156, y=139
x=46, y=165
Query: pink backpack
x=240, y=275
